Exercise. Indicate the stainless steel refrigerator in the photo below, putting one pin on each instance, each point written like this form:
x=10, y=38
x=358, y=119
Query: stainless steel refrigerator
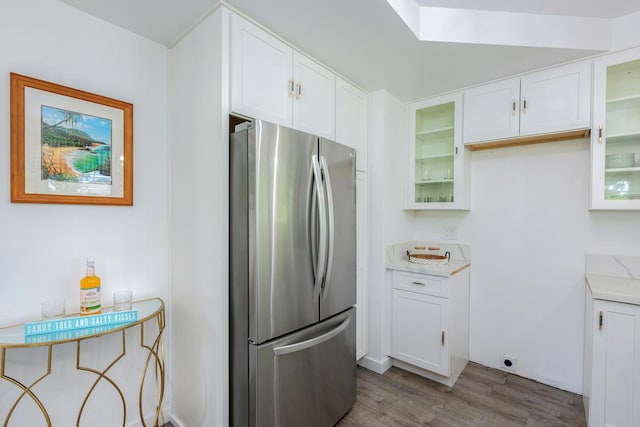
x=292, y=279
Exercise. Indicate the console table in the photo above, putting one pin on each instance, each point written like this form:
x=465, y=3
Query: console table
x=151, y=314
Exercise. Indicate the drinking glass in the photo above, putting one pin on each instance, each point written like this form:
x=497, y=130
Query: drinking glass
x=53, y=309
x=122, y=300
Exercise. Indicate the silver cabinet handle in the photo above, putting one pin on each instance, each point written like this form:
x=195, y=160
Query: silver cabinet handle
x=443, y=338
x=600, y=134
x=418, y=283
x=330, y=222
x=291, y=89
x=303, y=345
x=524, y=106
x=299, y=90
x=513, y=107
x=600, y=321
x=322, y=216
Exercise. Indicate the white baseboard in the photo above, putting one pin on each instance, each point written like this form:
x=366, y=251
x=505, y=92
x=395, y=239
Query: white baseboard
x=377, y=366
x=150, y=417
x=176, y=422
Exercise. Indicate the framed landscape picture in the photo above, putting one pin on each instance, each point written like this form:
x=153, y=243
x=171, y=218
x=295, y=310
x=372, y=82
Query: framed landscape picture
x=69, y=146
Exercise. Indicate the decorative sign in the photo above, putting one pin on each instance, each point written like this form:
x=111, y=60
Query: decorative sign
x=56, y=326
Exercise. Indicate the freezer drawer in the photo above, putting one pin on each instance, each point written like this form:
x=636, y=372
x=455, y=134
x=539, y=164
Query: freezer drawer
x=307, y=378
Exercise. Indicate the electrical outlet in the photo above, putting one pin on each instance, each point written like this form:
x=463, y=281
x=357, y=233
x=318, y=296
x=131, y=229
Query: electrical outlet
x=508, y=363
x=449, y=233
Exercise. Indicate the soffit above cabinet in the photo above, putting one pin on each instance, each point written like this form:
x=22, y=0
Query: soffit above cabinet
x=571, y=24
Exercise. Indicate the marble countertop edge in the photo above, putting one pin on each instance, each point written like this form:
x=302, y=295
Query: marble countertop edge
x=447, y=270
x=615, y=289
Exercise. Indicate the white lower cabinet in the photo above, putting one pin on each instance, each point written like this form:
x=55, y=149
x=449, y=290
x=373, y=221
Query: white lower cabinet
x=419, y=331
x=611, y=388
x=430, y=324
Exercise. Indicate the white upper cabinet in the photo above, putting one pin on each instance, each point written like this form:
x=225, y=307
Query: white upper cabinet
x=314, y=99
x=546, y=102
x=555, y=100
x=615, y=140
x=491, y=111
x=261, y=74
x=352, y=112
x=438, y=164
x=271, y=81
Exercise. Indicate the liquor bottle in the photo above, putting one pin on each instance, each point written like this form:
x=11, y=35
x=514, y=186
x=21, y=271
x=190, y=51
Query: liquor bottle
x=90, y=302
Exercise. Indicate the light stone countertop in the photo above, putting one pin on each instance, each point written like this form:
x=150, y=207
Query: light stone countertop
x=616, y=289
x=396, y=258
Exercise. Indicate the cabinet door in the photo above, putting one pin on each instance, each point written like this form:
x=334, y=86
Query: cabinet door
x=419, y=331
x=261, y=74
x=615, y=140
x=361, y=260
x=616, y=366
x=556, y=100
x=437, y=160
x=492, y=111
x=352, y=112
x=314, y=105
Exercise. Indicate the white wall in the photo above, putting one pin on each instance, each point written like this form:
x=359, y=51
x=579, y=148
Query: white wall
x=199, y=225
x=388, y=223
x=43, y=247
x=529, y=228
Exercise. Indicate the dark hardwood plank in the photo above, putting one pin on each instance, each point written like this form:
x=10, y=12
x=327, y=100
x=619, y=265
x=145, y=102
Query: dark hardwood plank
x=481, y=397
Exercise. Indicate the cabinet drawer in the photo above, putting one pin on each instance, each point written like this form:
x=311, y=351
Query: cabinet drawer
x=420, y=283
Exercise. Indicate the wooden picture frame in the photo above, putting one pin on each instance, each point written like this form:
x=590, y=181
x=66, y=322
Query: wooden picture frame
x=69, y=146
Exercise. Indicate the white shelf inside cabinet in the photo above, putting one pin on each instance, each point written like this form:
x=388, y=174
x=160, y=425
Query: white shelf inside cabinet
x=633, y=97
x=435, y=181
x=622, y=170
x=434, y=132
x=632, y=136
x=434, y=156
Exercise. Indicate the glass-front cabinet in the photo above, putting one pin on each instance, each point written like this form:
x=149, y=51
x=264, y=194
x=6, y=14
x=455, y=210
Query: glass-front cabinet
x=615, y=139
x=438, y=164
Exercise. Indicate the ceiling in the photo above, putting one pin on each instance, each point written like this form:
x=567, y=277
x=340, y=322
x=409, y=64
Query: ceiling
x=366, y=41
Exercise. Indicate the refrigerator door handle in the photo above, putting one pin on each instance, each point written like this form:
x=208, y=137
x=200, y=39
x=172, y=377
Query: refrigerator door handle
x=322, y=216
x=312, y=228
x=331, y=224
x=303, y=345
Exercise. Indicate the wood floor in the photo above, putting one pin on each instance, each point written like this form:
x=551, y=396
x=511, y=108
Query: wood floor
x=481, y=397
